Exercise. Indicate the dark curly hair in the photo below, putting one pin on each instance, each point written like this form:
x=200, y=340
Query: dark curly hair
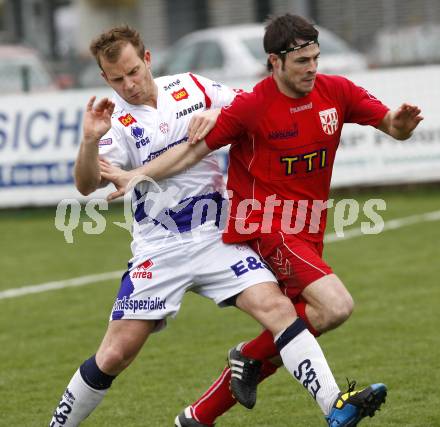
x=285, y=31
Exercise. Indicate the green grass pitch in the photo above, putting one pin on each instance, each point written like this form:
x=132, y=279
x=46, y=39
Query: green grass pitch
x=392, y=337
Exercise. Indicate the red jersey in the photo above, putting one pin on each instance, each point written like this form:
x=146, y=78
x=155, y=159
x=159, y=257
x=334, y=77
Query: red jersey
x=282, y=154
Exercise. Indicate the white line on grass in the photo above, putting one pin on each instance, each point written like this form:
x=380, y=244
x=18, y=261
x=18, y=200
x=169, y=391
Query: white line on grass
x=51, y=286
x=94, y=278
x=392, y=224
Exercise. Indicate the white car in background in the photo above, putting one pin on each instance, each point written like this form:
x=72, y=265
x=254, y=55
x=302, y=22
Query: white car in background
x=235, y=53
x=22, y=70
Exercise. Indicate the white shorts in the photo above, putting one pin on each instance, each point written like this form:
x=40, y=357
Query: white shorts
x=154, y=286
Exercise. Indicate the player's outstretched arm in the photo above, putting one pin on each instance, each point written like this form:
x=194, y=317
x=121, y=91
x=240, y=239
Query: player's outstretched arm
x=400, y=123
x=201, y=124
x=173, y=161
x=97, y=122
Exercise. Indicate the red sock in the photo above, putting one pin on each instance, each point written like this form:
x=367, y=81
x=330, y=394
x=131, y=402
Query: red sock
x=218, y=398
x=260, y=348
x=215, y=401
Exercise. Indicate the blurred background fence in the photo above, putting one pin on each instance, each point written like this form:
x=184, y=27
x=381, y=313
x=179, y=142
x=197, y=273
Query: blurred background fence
x=387, y=32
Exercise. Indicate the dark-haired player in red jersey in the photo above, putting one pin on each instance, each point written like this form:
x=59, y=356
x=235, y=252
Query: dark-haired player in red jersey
x=284, y=136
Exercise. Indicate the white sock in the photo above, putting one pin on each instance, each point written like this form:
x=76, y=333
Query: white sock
x=77, y=402
x=304, y=359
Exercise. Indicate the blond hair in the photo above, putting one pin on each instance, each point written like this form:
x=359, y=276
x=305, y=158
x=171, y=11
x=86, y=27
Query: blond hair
x=109, y=44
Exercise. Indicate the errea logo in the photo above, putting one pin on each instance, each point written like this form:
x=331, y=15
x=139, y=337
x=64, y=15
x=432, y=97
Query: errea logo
x=141, y=271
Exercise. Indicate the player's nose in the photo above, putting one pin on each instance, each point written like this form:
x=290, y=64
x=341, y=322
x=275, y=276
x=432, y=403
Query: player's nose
x=128, y=83
x=313, y=66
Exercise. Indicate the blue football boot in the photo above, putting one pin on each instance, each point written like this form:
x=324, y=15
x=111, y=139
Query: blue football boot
x=353, y=405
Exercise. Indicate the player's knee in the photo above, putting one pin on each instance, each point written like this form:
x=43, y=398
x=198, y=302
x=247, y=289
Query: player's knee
x=277, y=306
x=285, y=307
x=338, y=312
x=279, y=313
x=114, y=359
x=269, y=306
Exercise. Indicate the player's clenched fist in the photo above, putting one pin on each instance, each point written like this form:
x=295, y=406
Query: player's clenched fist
x=97, y=119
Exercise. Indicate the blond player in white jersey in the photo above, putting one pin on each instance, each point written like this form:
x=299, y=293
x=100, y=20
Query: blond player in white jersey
x=177, y=224
x=141, y=133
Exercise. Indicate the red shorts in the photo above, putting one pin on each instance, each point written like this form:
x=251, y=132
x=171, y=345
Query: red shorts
x=295, y=262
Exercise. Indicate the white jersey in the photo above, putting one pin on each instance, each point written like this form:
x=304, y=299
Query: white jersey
x=139, y=133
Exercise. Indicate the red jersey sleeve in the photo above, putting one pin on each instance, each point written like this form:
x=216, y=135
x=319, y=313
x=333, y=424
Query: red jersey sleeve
x=233, y=121
x=361, y=106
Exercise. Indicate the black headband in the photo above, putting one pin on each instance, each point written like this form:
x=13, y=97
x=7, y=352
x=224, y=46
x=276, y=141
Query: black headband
x=298, y=47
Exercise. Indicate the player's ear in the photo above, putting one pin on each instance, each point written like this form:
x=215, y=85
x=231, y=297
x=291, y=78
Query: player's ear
x=273, y=59
x=147, y=57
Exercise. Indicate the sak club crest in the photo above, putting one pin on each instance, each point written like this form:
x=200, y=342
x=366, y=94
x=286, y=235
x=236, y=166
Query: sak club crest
x=164, y=127
x=329, y=120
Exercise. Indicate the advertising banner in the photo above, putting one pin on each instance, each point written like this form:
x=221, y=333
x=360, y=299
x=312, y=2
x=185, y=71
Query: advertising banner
x=40, y=135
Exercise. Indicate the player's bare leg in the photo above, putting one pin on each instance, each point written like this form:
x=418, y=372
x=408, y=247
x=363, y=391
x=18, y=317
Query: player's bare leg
x=121, y=344
x=298, y=348
x=323, y=305
x=329, y=304
x=328, y=290
x=88, y=386
x=218, y=398
x=265, y=303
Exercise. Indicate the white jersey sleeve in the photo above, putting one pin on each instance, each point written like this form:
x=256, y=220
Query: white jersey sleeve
x=112, y=147
x=218, y=94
